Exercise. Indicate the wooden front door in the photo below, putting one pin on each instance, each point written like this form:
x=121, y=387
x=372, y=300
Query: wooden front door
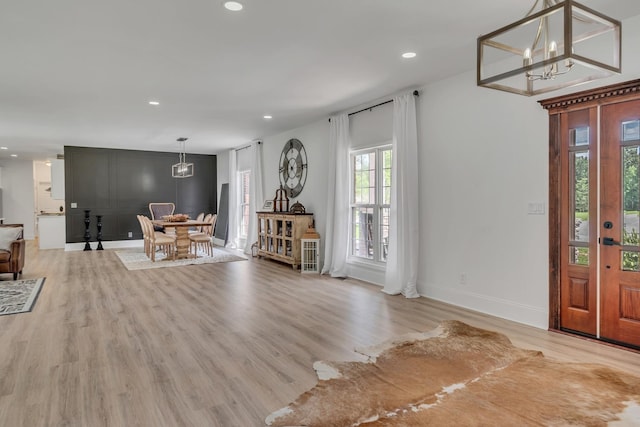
x=594, y=208
x=619, y=206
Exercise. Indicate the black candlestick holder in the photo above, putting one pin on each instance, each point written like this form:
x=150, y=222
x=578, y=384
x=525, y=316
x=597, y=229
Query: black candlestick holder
x=99, y=225
x=87, y=233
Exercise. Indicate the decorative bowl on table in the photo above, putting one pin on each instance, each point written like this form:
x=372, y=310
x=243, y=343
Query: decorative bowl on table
x=176, y=218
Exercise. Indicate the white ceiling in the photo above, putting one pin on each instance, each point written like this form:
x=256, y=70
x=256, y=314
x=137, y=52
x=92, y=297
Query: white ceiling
x=80, y=72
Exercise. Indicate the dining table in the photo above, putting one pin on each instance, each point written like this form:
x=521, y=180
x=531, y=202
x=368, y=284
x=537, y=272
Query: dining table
x=182, y=234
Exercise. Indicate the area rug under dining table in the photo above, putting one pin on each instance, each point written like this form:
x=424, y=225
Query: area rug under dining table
x=136, y=259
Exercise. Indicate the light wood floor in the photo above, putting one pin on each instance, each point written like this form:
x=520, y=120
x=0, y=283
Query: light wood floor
x=209, y=345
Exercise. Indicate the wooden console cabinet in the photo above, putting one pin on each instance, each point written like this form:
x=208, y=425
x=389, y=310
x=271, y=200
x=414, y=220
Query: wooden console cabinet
x=279, y=235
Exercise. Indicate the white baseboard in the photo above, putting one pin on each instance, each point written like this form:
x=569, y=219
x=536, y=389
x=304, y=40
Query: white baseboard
x=115, y=244
x=366, y=272
x=522, y=313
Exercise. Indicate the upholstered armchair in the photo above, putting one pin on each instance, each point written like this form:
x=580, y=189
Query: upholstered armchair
x=12, y=246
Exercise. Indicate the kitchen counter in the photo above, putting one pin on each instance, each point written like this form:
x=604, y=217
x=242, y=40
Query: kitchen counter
x=51, y=231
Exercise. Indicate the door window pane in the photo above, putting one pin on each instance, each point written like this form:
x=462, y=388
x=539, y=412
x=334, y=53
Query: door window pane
x=630, y=260
x=579, y=136
x=631, y=130
x=578, y=256
x=579, y=168
x=631, y=194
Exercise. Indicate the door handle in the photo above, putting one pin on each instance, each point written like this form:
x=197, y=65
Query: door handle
x=608, y=241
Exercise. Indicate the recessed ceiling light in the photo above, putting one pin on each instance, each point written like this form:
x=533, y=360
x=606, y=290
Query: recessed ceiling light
x=14, y=155
x=408, y=55
x=233, y=5
x=154, y=103
x=4, y=148
x=268, y=117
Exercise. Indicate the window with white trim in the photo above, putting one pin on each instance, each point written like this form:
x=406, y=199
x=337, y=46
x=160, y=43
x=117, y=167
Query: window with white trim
x=370, y=203
x=244, y=179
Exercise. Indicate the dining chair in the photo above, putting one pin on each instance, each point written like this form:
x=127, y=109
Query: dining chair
x=197, y=228
x=204, y=240
x=159, y=240
x=145, y=235
x=198, y=235
x=158, y=210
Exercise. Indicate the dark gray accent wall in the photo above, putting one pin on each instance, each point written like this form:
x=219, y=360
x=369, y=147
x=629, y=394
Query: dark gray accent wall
x=120, y=184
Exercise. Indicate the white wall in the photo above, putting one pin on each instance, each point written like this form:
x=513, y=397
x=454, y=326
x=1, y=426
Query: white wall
x=483, y=157
x=315, y=138
x=18, y=204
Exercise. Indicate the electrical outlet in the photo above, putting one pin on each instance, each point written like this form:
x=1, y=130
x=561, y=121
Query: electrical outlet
x=131, y=234
x=463, y=278
x=74, y=205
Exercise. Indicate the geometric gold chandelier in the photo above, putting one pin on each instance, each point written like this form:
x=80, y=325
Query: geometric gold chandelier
x=557, y=44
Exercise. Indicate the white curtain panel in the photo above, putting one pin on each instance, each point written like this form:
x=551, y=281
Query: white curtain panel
x=232, y=237
x=256, y=194
x=402, y=261
x=337, y=239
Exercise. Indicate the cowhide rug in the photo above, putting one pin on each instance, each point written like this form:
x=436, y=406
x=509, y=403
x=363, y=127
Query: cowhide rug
x=458, y=375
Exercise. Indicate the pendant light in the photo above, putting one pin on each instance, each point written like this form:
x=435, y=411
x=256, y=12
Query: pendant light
x=182, y=169
x=557, y=44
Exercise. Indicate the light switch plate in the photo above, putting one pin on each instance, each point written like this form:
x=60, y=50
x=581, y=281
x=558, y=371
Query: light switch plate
x=535, y=208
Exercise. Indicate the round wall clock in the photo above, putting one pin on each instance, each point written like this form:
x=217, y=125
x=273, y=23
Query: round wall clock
x=293, y=167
